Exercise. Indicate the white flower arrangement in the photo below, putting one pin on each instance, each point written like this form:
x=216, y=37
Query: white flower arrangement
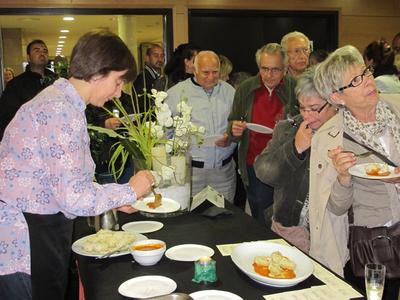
x=140, y=135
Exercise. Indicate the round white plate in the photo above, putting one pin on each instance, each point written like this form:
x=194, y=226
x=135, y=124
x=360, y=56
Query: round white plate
x=142, y=226
x=214, y=295
x=359, y=171
x=167, y=205
x=188, y=252
x=77, y=247
x=209, y=141
x=259, y=128
x=243, y=257
x=147, y=286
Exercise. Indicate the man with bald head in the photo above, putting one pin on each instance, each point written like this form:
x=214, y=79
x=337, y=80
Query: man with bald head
x=211, y=101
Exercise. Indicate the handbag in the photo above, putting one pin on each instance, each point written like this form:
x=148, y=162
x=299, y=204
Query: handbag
x=374, y=245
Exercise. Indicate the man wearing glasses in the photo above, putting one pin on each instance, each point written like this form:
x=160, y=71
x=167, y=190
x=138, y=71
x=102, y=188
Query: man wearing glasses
x=297, y=46
x=284, y=164
x=263, y=99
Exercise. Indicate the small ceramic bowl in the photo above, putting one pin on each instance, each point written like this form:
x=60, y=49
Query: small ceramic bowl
x=148, y=252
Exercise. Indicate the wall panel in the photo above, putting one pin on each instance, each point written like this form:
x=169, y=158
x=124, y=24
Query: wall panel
x=360, y=21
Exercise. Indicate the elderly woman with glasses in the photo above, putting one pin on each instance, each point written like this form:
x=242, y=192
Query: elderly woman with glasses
x=364, y=122
x=285, y=162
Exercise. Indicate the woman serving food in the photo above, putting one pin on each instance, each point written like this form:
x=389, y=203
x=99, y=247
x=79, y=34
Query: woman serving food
x=46, y=172
x=365, y=122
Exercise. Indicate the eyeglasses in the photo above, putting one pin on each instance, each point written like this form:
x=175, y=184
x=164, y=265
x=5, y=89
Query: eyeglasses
x=356, y=81
x=274, y=70
x=313, y=110
x=299, y=51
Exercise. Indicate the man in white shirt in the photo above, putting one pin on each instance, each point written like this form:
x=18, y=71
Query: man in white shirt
x=211, y=101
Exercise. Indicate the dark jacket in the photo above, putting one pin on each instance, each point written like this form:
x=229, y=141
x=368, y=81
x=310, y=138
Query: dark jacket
x=243, y=107
x=20, y=90
x=101, y=145
x=280, y=166
x=145, y=80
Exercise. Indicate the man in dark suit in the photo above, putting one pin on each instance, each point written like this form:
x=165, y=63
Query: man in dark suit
x=25, y=86
x=154, y=61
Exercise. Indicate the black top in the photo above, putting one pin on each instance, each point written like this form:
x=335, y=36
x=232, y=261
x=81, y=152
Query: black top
x=20, y=90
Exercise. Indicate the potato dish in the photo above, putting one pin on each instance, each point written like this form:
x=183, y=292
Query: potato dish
x=274, y=266
x=377, y=170
x=105, y=241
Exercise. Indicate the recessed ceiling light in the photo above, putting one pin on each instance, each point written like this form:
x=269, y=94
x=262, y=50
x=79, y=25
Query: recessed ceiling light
x=64, y=30
x=60, y=46
x=62, y=37
x=61, y=42
x=68, y=18
x=58, y=49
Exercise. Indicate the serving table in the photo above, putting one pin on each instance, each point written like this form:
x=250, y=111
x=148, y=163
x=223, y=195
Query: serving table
x=102, y=277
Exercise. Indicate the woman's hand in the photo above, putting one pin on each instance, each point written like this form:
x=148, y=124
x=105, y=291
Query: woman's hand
x=302, y=140
x=238, y=127
x=342, y=162
x=112, y=123
x=394, y=180
x=128, y=209
x=141, y=183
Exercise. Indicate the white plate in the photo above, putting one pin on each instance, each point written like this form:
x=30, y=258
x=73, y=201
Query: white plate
x=209, y=141
x=147, y=286
x=77, y=247
x=188, y=252
x=259, y=128
x=359, y=171
x=214, y=295
x=142, y=226
x=167, y=205
x=243, y=256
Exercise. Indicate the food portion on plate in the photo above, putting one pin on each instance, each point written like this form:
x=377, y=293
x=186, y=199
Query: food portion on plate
x=245, y=255
x=167, y=205
x=376, y=169
x=156, y=203
x=105, y=241
x=275, y=266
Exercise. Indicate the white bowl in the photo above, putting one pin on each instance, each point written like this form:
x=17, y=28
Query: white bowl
x=146, y=257
x=243, y=256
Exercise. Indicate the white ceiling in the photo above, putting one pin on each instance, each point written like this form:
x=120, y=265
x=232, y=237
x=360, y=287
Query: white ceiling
x=149, y=28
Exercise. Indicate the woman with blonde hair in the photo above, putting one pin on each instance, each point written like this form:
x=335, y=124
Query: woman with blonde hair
x=365, y=121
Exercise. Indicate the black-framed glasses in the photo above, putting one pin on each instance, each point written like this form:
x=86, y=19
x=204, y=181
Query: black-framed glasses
x=356, y=81
x=313, y=110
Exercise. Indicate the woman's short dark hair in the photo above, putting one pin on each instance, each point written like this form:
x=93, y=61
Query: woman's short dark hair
x=383, y=58
x=175, y=66
x=100, y=52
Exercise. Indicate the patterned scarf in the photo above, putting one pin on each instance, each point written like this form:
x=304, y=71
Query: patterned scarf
x=366, y=133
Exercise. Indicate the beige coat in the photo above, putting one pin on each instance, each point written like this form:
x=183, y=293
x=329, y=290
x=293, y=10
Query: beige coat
x=329, y=232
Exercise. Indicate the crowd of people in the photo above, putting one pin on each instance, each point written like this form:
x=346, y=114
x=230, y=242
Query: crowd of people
x=321, y=110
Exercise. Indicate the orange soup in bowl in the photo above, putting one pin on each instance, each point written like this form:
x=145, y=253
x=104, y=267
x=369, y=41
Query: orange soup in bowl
x=148, y=247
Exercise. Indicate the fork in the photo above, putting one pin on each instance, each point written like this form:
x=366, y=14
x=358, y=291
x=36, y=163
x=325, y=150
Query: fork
x=360, y=155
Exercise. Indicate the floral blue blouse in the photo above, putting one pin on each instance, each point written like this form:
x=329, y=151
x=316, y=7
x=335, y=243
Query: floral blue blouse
x=46, y=168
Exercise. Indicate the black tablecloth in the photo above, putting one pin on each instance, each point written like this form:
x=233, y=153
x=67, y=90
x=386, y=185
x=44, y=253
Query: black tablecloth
x=101, y=278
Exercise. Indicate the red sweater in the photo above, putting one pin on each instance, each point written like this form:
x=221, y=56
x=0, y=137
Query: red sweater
x=267, y=111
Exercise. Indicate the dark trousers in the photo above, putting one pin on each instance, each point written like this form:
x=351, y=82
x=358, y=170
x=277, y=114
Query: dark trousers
x=390, y=292
x=259, y=194
x=50, y=241
x=15, y=286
